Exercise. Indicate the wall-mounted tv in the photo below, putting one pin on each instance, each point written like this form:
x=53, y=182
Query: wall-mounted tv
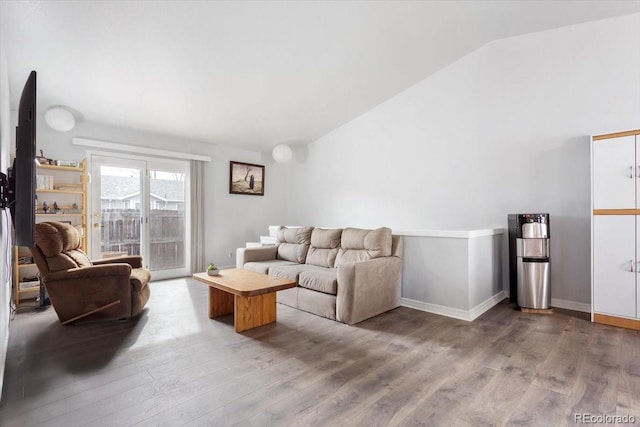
x=19, y=193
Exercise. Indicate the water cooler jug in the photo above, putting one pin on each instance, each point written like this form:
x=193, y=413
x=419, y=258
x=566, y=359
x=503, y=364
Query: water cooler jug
x=529, y=260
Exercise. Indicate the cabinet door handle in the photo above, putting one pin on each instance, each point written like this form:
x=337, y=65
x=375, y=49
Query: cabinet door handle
x=631, y=172
x=631, y=266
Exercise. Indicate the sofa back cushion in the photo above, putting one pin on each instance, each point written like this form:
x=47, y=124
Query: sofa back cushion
x=361, y=245
x=293, y=243
x=324, y=247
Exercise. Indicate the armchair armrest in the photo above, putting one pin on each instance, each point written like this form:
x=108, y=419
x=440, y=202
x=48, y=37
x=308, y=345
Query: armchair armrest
x=245, y=255
x=97, y=271
x=368, y=288
x=135, y=261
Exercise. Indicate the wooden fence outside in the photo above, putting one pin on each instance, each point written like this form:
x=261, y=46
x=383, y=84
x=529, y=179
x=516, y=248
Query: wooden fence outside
x=121, y=233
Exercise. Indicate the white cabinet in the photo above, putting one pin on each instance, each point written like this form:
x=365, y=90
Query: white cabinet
x=615, y=250
x=616, y=173
x=615, y=229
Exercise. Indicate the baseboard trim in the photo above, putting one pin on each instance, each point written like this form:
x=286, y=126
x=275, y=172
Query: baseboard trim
x=563, y=303
x=442, y=310
x=456, y=313
x=617, y=321
x=486, y=305
x=571, y=305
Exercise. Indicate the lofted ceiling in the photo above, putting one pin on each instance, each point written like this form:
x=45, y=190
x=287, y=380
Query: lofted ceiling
x=252, y=74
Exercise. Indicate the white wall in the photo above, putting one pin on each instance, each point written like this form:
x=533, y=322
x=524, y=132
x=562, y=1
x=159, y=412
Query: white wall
x=5, y=221
x=503, y=130
x=231, y=219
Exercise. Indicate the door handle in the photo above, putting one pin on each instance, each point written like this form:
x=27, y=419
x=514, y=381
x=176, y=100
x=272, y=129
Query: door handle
x=631, y=266
x=631, y=172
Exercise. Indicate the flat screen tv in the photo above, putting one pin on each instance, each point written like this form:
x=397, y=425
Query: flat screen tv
x=21, y=194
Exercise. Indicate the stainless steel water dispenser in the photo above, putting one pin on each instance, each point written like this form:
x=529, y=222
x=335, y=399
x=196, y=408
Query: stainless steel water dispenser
x=529, y=260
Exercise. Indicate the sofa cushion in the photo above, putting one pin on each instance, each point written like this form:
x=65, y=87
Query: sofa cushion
x=292, y=271
x=317, y=303
x=264, y=266
x=293, y=243
x=325, y=280
x=288, y=297
x=361, y=245
x=324, y=247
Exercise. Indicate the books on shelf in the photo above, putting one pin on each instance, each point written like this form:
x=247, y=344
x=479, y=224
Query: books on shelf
x=30, y=286
x=29, y=283
x=44, y=182
x=67, y=163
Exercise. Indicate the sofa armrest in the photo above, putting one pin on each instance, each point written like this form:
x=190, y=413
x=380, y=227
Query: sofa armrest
x=245, y=255
x=368, y=288
x=135, y=261
x=240, y=257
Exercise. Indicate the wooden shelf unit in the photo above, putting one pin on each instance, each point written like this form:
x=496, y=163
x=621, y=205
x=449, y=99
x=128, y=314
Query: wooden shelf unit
x=70, y=186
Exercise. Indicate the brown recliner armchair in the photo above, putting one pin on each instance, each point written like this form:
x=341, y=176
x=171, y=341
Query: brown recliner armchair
x=115, y=288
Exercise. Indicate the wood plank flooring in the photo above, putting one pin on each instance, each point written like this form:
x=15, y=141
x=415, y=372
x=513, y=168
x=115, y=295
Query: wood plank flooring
x=173, y=366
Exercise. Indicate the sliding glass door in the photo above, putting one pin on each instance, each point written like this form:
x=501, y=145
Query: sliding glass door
x=141, y=207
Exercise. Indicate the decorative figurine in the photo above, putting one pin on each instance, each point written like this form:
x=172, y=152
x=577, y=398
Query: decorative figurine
x=45, y=207
x=56, y=209
x=43, y=160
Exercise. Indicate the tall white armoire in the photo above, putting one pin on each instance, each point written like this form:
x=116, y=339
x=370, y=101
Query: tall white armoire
x=615, y=229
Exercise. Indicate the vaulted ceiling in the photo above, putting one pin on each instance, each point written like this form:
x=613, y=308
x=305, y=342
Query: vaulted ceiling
x=253, y=73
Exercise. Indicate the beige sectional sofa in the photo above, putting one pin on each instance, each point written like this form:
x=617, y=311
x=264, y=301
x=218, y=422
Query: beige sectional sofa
x=347, y=274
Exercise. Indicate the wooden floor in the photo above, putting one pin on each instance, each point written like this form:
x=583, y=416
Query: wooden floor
x=174, y=366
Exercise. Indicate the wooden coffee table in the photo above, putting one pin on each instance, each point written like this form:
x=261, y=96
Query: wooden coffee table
x=251, y=297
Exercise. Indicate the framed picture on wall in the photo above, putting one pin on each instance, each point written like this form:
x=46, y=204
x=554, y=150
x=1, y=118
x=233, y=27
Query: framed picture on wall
x=246, y=178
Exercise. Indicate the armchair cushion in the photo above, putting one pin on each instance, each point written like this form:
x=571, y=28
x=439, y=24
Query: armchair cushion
x=56, y=237
x=80, y=258
x=59, y=244
x=61, y=262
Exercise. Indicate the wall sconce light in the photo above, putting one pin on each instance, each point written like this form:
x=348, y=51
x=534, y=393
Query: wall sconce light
x=282, y=153
x=60, y=119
